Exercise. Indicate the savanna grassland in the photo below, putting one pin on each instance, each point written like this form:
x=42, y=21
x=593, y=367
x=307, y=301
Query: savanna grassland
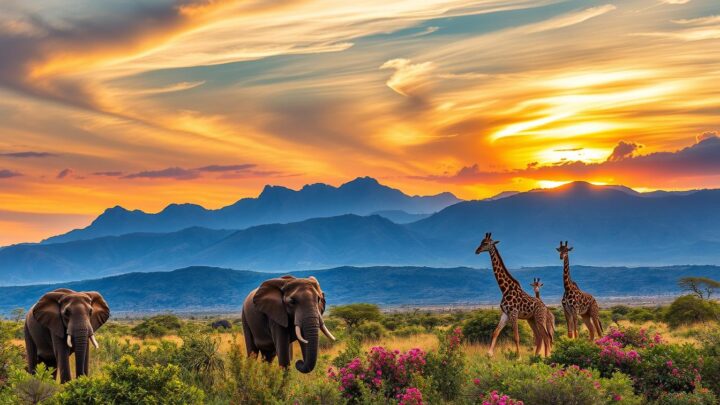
x=659, y=355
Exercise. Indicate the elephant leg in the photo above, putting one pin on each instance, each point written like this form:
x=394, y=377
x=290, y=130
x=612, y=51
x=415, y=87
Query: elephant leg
x=252, y=350
x=496, y=333
x=31, y=350
x=62, y=359
x=268, y=355
x=281, y=340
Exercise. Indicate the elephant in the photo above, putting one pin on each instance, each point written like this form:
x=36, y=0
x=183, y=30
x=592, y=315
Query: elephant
x=63, y=322
x=281, y=311
x=223, y=323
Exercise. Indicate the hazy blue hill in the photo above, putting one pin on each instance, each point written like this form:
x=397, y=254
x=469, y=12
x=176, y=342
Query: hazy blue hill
x=275, y=204
x=607, y=226
x=102, y=256
x=401, y=217
x=215, y=289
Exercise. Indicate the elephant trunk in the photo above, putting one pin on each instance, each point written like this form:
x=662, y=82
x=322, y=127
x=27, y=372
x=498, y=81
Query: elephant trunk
x=310, y=328
x=80, y=343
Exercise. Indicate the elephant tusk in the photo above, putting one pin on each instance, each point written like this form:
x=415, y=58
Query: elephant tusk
x=299, y=334
x=327, y=332
x=69, y=340
x=94, y=342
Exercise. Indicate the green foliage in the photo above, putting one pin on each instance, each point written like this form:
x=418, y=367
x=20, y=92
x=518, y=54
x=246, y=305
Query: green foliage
x=369, y=331
x=353, y=349
x=445, y=367
x=479, y=327
x=317, y=391
x=406, y=331
x=254, y=382
x=667, y=368
x=690, y=309
x=199, y=357
x=700, y=396
x=158, y=326
x=24, y=388
x=580, y=352
x=127, y=383
x=710, y=351
x=355, y=314
x=703, y=287
x=11, y=356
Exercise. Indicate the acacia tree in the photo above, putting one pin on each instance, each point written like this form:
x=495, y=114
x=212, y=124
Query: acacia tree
x=354, y=314
x=703, y=287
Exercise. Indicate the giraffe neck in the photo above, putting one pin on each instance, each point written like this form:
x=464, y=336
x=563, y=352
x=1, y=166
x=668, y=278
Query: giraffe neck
x=569, y=285
x=505, y=280
x=537, y=294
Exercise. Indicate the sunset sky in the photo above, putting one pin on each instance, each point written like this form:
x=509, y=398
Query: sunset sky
x=148, y=102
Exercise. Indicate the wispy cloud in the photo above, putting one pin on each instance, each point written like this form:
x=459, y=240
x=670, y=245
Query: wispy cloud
x=6, y=173
x=28, y=154
x=64, y=173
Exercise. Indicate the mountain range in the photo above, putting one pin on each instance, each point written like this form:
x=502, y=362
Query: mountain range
x=276, y=204
x=210, y=289
x=607, y=225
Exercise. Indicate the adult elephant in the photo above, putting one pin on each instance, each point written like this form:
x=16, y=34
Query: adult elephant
x=63, y=322
x=281, y=311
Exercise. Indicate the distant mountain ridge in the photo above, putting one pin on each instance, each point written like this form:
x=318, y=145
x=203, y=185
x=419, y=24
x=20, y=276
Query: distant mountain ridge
x=275, y=204
x=210, y=289
x=607, y=227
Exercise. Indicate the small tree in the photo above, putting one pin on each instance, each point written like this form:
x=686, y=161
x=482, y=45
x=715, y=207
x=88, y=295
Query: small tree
x=703, y=287
x=18, y=314
x=354, y=314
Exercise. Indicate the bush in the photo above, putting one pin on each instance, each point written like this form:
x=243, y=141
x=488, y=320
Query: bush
x=355, y=314
x=23, y=388
x=369, y=331
x=481, y=325
x=700, y=396
x=579, y=352
x=710, y=352
x=689, y=309
x=667, y=368
x=127, y=383
x=200, y=358
x=406, y=331
x=446, y=367
x=158, y=326
x=254, y=382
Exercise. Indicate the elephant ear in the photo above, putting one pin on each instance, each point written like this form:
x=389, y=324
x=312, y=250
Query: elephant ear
x=100, y=310
x=269, y=300
x=47, y=311
x=320, y=293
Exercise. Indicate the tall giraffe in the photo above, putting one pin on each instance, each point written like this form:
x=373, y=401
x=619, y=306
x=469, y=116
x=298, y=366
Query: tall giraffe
x=515, y=303
x=550, y=324
x=576, y=301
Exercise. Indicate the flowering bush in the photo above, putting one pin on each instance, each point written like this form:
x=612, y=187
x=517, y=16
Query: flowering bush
x=701, y=396
x=445, y=367
x=668, y=368
x=411, y=396
x=385, y=371
x=495, y=398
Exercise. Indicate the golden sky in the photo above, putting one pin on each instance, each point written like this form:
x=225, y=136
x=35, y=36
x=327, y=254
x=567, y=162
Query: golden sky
x=150, y=102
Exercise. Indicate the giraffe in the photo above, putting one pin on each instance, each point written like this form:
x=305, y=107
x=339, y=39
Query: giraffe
x=550, y=324
x=576, y=301
x=515, y=303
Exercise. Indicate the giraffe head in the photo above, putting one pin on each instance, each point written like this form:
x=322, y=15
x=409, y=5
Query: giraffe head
x=486, y=244
x=536, y=284
x=564, y=250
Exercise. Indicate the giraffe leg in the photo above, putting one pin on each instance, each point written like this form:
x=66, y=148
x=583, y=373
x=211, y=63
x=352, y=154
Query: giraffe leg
x=569, y=321
x=588, y=324
x=536, y=334
x=516, y=334
x=496, y=332
x=541, y=320
x=596, y=319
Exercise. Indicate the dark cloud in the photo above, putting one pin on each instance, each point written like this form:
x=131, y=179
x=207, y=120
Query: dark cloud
x=28, y=154
x=177, y=173
x=108, y=174
x=623, y=150
x=227, y=168
x=64, y=173
x=569, y=150
x=698, y=160
x=6, y=174
x=239, y=171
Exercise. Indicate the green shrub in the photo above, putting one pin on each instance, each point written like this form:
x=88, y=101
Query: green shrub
x=479, y=328
x=700, y=396
x=23, y=388
x=640, y=315
x=369, y=331
x=317, y=391
x=667, y=368
x=254, y=382
x=445, y=367
x=580, y=352
x=353, y=350
x=710, y=352
x=406, y=331
x=158, y=326
x=127, y=383
x=689, y=309
x=200, y=358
